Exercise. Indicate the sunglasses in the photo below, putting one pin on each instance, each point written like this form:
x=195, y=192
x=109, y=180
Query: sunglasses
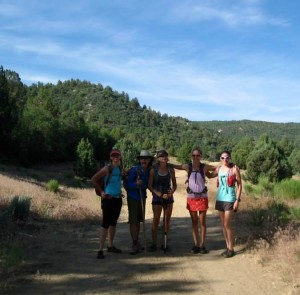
x=225, y=158
x=144, y=158
x=196, y=156
x=115, y=155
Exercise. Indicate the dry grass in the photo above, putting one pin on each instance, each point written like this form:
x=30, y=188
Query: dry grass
x=280, y=248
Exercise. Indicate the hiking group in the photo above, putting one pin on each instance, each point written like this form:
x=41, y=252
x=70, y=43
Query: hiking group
x=159, y=178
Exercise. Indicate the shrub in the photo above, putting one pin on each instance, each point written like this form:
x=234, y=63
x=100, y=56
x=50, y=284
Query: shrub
x=287, y=189
x=268, y=160
x=295, y=213
x=52, y=185
x=85, y=164
x=19, y=207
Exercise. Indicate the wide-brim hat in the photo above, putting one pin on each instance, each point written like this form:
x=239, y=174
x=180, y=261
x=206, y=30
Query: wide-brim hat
x=162, y=153
x=145, y=154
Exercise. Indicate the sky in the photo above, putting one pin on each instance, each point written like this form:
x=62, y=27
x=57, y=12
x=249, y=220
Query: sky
x=202, y=60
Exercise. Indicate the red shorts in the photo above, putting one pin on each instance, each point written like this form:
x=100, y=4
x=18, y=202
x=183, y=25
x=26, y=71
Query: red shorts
x=197, y=204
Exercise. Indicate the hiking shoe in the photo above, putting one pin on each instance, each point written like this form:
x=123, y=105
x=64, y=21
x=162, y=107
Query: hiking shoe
x=135, y=250
x=113, y=249
x=100, y=254
x=140, y=247
x=195, y=250
x=229, y=253
x=203, y=250
x=167, y=249
x=153, y=248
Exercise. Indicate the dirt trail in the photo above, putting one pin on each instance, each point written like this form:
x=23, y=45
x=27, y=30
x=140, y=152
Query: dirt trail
x=67, y=264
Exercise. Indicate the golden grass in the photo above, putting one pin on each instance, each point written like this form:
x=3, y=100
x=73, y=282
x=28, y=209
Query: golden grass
x=82, y=204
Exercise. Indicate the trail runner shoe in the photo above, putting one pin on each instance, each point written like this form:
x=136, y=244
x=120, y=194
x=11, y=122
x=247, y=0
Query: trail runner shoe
x=203, y=250
x=195, y=250
x=153, y=248
x=113, y=249
x=100, y=254
x=229, y=253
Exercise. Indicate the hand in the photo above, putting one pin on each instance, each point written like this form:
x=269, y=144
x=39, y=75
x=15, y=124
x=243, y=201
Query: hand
x=165, y=196
x=170, y=193
x=139, y=182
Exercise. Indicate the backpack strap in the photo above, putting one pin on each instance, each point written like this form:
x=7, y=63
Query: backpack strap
x=110, y=169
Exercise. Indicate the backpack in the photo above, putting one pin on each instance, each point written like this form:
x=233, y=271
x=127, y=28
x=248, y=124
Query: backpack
x=126, y=174
x=201, y=171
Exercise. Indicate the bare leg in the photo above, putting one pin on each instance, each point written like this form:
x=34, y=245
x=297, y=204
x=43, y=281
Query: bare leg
x=111, y=235
x=103, y=236
x=155, y=222
x=202, y=219
x=195, y=232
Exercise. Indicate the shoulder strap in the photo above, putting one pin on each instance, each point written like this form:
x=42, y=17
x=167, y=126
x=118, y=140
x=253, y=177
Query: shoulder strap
x=202, y=171
x=110, y=169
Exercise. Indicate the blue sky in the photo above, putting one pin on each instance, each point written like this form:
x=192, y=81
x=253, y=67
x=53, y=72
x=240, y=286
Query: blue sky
x=199, y=59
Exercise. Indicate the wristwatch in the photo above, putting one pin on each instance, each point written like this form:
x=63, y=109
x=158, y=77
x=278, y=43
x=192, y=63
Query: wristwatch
x=238, y=199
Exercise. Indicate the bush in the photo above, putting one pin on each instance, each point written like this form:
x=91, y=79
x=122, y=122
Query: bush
x=295, y=213
x=287, y=189
x=19, y=207
x=52, y=185
x=268, y=160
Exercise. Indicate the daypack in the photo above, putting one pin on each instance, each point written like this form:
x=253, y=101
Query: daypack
x=126, y=173
x=201, y=171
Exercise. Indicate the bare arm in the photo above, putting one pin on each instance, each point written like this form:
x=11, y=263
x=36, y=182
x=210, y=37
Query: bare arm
x=174, y=183
x=97, y=181
x=180, y=166
x=150, y=184
x=210, y=171
x=238, y=188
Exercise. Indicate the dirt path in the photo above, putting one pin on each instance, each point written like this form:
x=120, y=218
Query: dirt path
x=65, y=262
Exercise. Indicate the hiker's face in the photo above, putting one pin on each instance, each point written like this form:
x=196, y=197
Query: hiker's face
x=163, y=158
x=115, y=158
x=196, y=156
x=144, y=161
x=225, y=159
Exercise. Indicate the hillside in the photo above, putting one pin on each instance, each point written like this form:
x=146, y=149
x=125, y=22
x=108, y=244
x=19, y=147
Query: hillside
x=46, y=122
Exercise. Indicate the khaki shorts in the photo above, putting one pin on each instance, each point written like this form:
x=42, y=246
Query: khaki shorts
x=135, y=211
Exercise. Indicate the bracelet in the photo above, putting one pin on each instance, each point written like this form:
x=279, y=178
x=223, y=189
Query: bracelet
x=238, y=199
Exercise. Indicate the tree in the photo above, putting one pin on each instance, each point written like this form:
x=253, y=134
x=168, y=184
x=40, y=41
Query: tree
x=241, y=152
x=7, y=110
x=85, y=164
x=266, y=159
x=294, y=160
x=184, y=153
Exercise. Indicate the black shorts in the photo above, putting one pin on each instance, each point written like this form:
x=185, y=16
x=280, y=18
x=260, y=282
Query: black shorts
x=224, y=206
x=111, y=209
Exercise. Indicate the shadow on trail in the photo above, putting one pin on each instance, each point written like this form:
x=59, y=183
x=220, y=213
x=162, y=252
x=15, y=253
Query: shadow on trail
x=64, y=262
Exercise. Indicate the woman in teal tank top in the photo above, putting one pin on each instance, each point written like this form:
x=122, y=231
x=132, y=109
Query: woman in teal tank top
x=228, y=197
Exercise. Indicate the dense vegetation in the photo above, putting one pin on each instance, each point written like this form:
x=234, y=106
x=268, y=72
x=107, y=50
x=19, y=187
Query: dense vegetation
x=51, y=123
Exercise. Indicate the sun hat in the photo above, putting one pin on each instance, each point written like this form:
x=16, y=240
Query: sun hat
x=115, y=152
x=144, y=154
x=161, y=153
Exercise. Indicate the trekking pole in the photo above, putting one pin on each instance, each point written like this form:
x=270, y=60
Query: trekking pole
x=165, y=205
x=144, y=223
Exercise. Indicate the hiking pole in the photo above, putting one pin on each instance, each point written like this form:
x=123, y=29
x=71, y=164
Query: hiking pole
x=144, y=223
x=165, y=205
